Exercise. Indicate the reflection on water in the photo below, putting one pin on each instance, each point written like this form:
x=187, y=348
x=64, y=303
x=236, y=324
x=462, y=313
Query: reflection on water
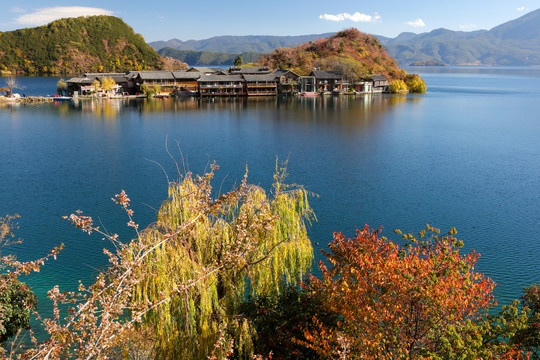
x=325, y=108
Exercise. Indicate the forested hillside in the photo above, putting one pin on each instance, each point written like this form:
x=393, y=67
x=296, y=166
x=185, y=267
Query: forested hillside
x=353, y=53
x=77, y=45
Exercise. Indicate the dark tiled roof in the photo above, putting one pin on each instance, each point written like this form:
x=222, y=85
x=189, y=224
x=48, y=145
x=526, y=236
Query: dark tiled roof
x=261, y=77
x=156, y=75
x=75, y=80
x=103, y=74
x=206, y=70
x=378, y=78
x=280, y=73
x=327, y=75
x=249, y=70
x=182, y=75
x=117, y=79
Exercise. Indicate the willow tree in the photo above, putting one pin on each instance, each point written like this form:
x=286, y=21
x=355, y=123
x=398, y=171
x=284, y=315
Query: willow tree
x=245, y=242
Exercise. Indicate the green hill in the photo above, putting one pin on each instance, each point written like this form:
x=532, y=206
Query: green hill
x=77, y=45
x=194, y=57
x=350, y=51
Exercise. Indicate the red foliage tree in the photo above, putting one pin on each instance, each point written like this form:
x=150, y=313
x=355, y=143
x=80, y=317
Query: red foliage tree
x=398, y=301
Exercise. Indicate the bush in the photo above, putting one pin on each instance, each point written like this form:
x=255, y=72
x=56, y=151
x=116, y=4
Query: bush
x=398, y=86
x=415, y=84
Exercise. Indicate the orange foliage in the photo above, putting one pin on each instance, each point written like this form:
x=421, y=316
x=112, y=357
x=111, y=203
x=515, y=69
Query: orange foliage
x=350, y=48
x=394, y=301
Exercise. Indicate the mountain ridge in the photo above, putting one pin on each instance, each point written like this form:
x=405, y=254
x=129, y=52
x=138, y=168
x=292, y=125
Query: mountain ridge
x=516, y=42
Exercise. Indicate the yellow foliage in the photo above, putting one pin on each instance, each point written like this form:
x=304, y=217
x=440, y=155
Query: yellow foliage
x=220, y=249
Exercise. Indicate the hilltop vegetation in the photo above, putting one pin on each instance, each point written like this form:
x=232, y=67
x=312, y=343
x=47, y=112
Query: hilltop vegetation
x=77, y=45
x=355, y=54
x=195, y=57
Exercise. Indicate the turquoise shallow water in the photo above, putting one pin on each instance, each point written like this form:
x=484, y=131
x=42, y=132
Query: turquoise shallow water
x=466, y=154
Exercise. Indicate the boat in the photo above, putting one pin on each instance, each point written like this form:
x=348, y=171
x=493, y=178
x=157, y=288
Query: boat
x=62, y=98
x=309, y=94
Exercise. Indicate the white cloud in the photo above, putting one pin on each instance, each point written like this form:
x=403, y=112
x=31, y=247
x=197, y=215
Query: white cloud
x=468, y=26
x=521, y=8
x=356, y=17
x=416, y=23
x=46, y=15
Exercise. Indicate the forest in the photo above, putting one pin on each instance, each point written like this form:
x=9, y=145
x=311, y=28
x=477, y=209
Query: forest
x=77, y=45
x=229, y=277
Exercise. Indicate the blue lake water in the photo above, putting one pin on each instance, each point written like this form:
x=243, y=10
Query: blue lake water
x=465, y=154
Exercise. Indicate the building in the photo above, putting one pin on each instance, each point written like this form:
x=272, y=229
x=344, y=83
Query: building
x=261, y=84
x=91, y=83
x=287, y=81
x=222, y=85
x=329, y=81
x=380, y=83
x=186, y=82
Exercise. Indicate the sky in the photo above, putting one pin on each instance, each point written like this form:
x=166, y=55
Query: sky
x=186, y=20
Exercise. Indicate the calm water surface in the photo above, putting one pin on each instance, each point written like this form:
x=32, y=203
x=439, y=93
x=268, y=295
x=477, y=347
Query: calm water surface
x=465, y=154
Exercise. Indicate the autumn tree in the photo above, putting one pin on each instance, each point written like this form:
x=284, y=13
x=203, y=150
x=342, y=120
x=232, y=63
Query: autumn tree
x=96, y=84
x=397, y=87
x=415, y=84
x=256, y=243
x=108, y=83
x=184, y=277
x=398, y=301
x=61, y=86
x=528, y=336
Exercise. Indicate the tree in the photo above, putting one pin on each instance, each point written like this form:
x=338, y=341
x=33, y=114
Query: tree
x=410, y=302
x=528, y=336
x=17, y=301
x=246, y=241
x=11, y=83
x=398, y=86
x=186, y=276
x=61, y=86
x=96, y=84
x=150, y=90
x=107, y=83
x=415, y=84
x=238, y=61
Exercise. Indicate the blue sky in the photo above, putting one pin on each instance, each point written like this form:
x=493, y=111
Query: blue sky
x=185, y=20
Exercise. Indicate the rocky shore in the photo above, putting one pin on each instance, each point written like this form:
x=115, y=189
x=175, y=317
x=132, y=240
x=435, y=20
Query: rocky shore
x=27, y=99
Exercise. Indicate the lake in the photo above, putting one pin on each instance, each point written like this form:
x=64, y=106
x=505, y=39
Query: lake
x=465, y=154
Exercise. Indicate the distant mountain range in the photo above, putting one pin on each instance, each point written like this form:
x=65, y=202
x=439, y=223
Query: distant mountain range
x=514, y=43
x=194, y=57
x=238, y=44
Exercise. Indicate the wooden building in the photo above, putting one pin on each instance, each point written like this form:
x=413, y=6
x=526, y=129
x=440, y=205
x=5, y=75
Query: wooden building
x=186, y=82
x=85, y=84
x=222, y=85
x=288, y=82
x=329, y=81
x=261, y=84
x=380, y=83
